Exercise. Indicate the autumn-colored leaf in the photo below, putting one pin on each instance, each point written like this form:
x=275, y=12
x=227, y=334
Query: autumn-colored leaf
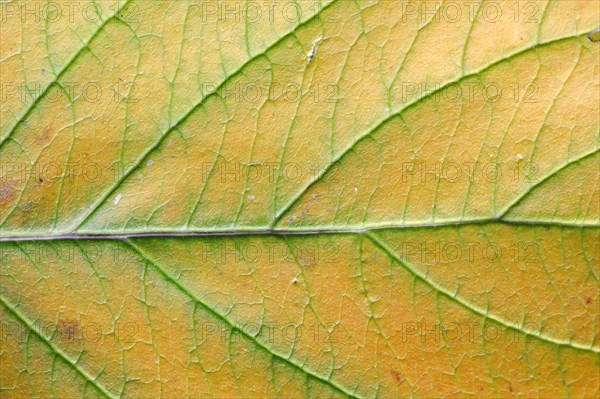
x=311, y=198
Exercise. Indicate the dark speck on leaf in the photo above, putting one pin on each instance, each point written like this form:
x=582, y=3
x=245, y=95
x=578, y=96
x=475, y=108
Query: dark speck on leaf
x=68, y=329
x=594, y=35
x=397, y=376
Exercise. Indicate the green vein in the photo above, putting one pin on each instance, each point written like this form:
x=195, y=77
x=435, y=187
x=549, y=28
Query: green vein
x=64, y=70
x=226, y=321
x=379, y=242
x=56, y=350
x=191, y=111
x=544, y=180
x=279, y=216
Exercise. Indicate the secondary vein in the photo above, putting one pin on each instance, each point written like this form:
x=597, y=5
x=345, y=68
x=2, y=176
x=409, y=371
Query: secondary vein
x=56, y=350
x=226, y=321
x=61, y=73
x=380, y=243
x=378, y=126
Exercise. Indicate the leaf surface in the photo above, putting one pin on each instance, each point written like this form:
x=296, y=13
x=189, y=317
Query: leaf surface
x=314, y=199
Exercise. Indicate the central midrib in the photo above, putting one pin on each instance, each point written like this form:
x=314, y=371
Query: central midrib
x=123, y=235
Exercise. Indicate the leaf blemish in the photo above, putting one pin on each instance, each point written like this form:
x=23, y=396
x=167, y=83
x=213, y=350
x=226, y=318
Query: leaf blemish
x=594, y=35
x=68, y=329
x=7, y=192
x=313, y=51
x=45, y=136
x=397, y=376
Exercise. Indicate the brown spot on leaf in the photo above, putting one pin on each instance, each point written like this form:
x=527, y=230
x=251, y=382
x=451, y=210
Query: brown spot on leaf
x=68, y=329
x=45, y=136
x=588, y=301
x=7, y=192
x=397, y=376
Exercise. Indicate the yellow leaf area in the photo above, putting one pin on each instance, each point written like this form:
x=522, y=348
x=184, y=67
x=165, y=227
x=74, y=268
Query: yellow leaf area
x=299, y=199
x=474, y=311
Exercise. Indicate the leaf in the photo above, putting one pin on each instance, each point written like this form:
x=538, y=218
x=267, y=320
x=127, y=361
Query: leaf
x=310, y=199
